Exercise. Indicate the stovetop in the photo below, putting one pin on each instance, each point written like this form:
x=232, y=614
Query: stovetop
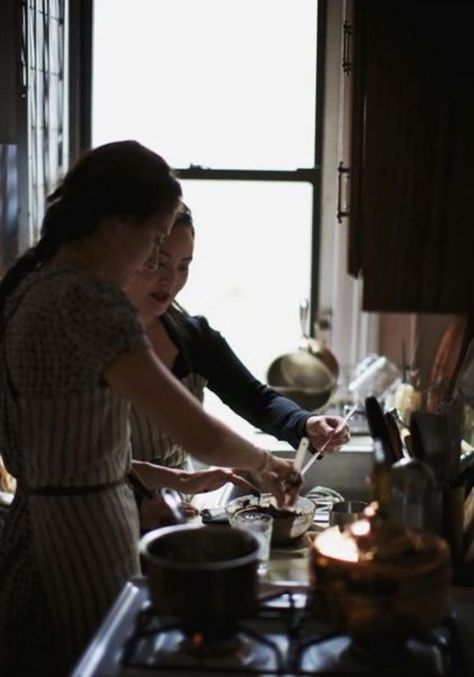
x=283, y=639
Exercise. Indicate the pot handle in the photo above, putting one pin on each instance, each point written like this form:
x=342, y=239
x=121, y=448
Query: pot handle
x=173, y=501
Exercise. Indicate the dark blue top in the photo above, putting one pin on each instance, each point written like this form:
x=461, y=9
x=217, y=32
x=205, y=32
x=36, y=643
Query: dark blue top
x=202, y=350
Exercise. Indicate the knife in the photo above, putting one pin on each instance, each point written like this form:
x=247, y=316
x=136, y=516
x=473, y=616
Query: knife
x=378, y=427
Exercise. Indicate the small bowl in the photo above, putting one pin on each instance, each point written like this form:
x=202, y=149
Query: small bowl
x=286, y=528
x=343, y=513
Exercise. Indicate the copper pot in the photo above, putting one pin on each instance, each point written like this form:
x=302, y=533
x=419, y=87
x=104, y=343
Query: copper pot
x=377, y=581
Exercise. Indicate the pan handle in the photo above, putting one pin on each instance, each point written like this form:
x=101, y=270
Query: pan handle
x=173, y=502
x=304, y=311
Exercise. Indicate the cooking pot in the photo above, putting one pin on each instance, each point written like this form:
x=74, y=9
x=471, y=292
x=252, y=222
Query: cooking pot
x=204, y=575
x=307, y=376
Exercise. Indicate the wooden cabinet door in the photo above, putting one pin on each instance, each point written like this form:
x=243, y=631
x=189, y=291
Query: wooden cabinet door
x=412, y=189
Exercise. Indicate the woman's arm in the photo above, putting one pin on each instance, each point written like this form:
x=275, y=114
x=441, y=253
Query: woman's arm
x=226, y=375
x=141, y=378
x=157, y=476
x=257, y=403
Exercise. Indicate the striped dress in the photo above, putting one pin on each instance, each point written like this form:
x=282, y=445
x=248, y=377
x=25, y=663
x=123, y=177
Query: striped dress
x=151, y=444
x=70, y=541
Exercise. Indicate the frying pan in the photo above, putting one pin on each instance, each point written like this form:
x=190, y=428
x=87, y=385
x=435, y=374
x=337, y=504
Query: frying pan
x=305, y=375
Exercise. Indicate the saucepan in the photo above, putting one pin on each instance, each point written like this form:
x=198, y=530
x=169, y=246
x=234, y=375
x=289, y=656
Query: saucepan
x=343, y=513
x=204, y=576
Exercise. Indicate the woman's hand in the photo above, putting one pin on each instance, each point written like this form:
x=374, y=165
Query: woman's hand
x=330, y=431
x=155, y=513
x=280, y=478
x=208, y=480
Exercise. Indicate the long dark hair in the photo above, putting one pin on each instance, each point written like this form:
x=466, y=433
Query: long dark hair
x=122, y=178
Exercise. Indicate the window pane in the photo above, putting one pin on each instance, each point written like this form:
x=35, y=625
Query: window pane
x=251, y=264
x=218, y=83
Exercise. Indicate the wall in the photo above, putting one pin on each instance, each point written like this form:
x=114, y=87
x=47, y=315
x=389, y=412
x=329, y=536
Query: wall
x=353, y=333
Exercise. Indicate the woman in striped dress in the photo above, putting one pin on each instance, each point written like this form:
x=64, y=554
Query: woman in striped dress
x=200, y=357
x=74, y=355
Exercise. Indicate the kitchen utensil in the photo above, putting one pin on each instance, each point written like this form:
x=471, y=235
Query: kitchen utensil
x=377, y=592
x=376, y=580
x=465, y=468
x=302, y=376
x=432, y=440
x=314, y=345
x=378, y=427
x=288, y=523
x=394, y=435
x=412, y=480
x=173, y=502
x=204, y=576
x=324, y=498
x=343, y=513
x=301, y=453
x=320, y=453
x=454, y=410
x=404, y=431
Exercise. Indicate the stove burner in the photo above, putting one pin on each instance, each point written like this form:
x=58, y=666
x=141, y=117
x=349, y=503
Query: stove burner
x=337, y=653
x=285, y=638
x=198, y=646
x=157, y=645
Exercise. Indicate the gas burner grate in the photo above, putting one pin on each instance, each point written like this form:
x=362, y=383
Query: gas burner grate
x=284, y=638
x=158, y=643
x=436, y=653
x=248, y=651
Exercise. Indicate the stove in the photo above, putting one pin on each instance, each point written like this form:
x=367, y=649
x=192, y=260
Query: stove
x=284, y=638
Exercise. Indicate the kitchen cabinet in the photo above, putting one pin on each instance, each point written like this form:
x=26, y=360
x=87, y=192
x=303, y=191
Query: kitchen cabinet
x=411, y=193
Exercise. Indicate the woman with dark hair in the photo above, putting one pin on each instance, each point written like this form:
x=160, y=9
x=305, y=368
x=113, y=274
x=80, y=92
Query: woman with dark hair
x=74, y=354
x=200, y=357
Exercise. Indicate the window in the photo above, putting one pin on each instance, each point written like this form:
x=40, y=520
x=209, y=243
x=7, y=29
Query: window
x=226, y=91
x=33, y=123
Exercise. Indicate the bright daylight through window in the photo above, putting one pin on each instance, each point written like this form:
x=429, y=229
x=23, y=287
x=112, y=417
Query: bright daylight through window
x=224, y=86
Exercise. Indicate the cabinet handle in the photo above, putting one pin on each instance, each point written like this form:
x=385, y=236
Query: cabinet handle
x=340, y=211
x=346, y=47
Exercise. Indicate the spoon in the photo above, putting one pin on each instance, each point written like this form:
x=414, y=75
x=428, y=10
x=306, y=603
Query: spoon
x=301, y=453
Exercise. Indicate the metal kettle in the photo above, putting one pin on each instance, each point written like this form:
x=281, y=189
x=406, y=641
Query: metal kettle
x=377, y=580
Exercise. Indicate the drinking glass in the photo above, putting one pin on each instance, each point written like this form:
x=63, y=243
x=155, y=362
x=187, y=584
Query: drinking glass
x=261, y=525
